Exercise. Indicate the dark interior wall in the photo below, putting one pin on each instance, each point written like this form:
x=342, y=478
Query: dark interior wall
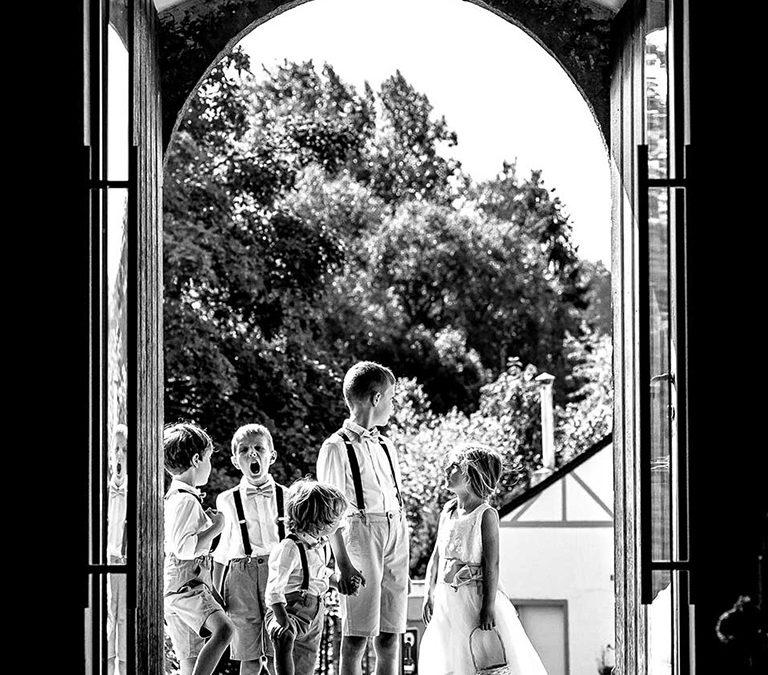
x=52, y=275
x=729, y=483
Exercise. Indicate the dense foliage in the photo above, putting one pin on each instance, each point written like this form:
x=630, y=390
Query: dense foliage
x=309, y=225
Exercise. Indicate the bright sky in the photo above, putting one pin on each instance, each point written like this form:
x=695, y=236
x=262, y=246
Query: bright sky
x=504, y=95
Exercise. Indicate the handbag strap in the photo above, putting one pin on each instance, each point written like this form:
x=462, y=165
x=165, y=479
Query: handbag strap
x=472, y=651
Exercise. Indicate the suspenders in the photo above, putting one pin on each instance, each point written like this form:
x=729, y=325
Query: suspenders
x=304, y=563
x=392, y=469
x=243, y=522
x=196, y=495
x=352, y=457
x=279, y=498
x=355, y=467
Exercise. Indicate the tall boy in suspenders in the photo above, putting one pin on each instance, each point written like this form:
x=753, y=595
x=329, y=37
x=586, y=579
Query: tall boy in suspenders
x=371, y=551
x=254, y=523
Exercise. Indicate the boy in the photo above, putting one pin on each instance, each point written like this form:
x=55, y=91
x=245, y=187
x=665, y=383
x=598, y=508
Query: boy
x=363, y=464
x=253, y=525
x=116, y=588
x=191, y=612
x=299, y=576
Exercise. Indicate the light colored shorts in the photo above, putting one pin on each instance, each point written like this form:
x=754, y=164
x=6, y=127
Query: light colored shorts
x=378, y=547
x=116, y=612
x=306, y=615
x=188, y=608
x=243, y=594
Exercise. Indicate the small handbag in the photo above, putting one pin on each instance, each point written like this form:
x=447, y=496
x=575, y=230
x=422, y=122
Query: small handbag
x=495, y=669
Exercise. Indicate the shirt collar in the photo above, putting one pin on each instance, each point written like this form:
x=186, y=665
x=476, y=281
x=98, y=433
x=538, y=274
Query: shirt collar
x=309, y=540
x=360, y=431
x=244, y=484
x=184, y=487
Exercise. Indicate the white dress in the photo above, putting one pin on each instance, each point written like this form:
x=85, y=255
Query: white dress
x=456, y=609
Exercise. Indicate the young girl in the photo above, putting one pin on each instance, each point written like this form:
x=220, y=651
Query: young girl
x=462, y=603
x=299, y=576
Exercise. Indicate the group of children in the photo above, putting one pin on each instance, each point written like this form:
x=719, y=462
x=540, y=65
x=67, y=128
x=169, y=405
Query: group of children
x=262, y=590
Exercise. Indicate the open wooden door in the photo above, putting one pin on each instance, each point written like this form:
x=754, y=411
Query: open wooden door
x=650, y=183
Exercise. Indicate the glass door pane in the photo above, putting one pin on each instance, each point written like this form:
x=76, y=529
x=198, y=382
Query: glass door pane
x=658, y=373
x=109, y=98
x=665, y=572
x=118, y=93
x=117, y=430
x=661, y=375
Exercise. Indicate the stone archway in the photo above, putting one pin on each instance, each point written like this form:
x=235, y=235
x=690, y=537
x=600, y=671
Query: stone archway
x=194, y=34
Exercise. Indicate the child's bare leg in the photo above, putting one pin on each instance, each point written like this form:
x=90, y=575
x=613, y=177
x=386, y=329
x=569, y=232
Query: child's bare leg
x=352, y=650
x=284, y=653
x=222, y=632
x=187, y=665
x=386, y=646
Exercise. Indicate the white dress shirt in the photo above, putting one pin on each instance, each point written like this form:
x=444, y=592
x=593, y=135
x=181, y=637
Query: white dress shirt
x=184, y=519
x=379, y=490
x=286, y=574
x=261, y=518
x=116, y=518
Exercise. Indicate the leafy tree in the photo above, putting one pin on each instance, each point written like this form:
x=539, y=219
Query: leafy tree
x=540, y=215
x=486, y=278
x=598, y=314
x=242, y=274
x=406, y=163
x=309, y=225
x=588, y=415
x=314, y=116
x=531, y=206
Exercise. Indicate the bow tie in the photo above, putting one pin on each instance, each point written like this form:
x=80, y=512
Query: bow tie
x=266, y=490
x=115, y=490
x=371, y=433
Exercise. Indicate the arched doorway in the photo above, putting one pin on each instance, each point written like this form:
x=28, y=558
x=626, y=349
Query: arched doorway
x=191, y=143
x=739, y=501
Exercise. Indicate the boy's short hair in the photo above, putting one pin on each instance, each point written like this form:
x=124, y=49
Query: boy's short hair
x=312, y=505
x=181, y=441
x=119, y=433
x=364, y=379
x=251, y=430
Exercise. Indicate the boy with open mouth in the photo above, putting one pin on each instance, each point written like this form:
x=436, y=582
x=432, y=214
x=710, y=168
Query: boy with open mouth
x=253, y=525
